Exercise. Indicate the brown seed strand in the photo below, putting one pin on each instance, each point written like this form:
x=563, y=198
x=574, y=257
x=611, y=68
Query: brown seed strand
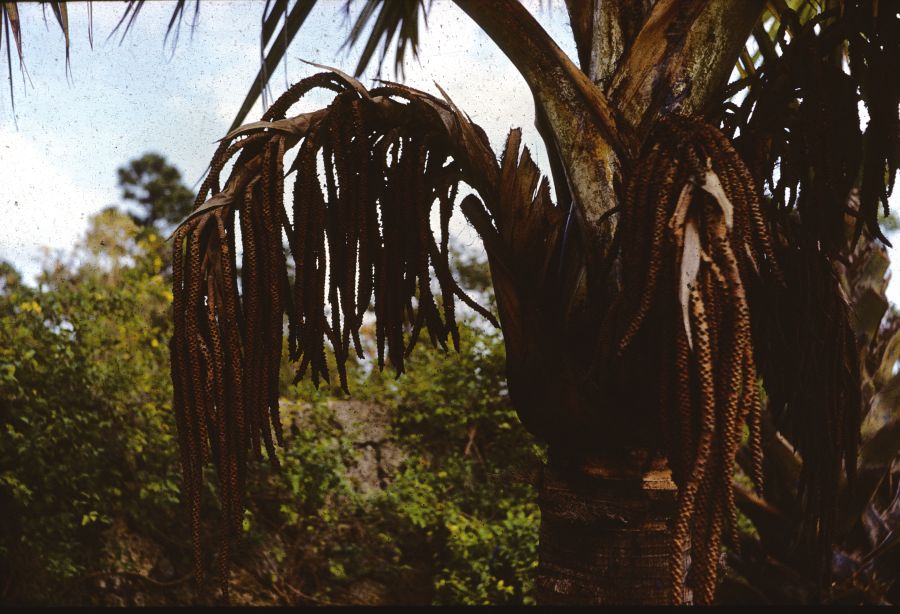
x=714, y=389
x=384, y=169
x=707, y=400
x=233, y=388
x=251, y=312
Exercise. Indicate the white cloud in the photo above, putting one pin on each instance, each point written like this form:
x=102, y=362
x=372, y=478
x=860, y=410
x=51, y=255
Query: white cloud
x=44, y=208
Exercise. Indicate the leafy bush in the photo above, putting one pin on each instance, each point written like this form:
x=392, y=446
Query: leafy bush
x=86, y=431
x=458, y=490
x=88, y=442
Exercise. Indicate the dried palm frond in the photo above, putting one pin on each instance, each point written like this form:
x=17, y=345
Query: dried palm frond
x=133, y=8
x=382, y=20
x=693, y=237
x=11, y=27
x=810, y=365
x=799, y=114
x=400, y=17
x=359, y=237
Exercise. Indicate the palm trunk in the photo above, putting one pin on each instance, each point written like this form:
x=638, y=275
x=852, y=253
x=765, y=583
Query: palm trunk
x=606, y=532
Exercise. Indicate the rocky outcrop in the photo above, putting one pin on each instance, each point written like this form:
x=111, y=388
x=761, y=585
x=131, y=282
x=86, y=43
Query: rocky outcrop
x=368, y=426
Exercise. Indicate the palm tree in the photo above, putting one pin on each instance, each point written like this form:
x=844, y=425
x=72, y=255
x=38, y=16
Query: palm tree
x=689, y=257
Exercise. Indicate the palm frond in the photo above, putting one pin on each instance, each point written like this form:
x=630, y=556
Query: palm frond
x=133, y=8
x=14, y=25
x=128, y=18
x=4, y=30
x=359, y=237
x=293, y=20
x=10, y=27
x=400, y=18
x=798, y=128
x=818, y=65
x=388, y=20
x=176, y=19
x=61, y=12
x=90, y=12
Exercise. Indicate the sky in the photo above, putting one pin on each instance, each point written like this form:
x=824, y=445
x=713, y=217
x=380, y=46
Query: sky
x=59, y=154
x=125, y=97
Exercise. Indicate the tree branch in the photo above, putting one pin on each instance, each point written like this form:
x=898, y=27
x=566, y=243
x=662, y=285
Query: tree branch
x=681, y=59
x=614, y=28
x=549, y=72
x=590, y=137
x=581, y=19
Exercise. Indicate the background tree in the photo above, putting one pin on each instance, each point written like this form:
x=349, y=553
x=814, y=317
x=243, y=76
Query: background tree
x=155, y=187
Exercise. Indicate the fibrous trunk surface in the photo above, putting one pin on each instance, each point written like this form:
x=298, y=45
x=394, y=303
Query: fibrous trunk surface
x=606, y=531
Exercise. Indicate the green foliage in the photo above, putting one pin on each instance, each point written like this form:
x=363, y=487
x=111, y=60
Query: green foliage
x=455, y=491
x=87, y=446
x=313, y=463
x=86, y=433
x=454, y=521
